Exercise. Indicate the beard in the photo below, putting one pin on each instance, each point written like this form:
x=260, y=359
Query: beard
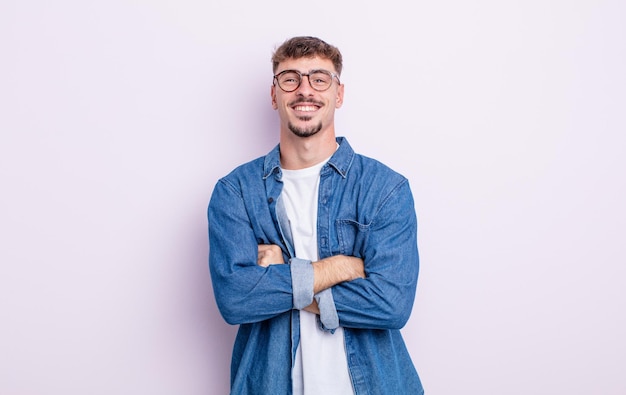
x=305, y=131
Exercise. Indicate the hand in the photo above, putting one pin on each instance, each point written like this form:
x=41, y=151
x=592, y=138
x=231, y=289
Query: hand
x=313, y=308
x=269, y=254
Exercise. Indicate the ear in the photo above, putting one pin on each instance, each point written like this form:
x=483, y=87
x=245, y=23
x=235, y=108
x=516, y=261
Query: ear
x=339, y=100
x=273, y=95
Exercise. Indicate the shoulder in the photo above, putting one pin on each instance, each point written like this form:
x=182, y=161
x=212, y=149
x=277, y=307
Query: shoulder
x=361, y=168
x=248, y=173
x=251, y=168
x=371, y=170
x=375, y=184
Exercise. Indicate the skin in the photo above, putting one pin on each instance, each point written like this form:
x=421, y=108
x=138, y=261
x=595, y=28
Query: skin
x=307, y=136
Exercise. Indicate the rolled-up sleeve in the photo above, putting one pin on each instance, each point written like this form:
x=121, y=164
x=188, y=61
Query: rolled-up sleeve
x=329, y=320
x=302, y=279
x=302, y=282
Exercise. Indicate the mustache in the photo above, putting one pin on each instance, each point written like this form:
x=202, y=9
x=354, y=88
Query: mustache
x=305, y=100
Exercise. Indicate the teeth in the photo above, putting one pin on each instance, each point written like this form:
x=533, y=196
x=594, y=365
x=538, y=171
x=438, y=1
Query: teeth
x=305, y=108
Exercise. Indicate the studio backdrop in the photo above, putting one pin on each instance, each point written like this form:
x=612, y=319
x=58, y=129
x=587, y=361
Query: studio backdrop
x=118, y=117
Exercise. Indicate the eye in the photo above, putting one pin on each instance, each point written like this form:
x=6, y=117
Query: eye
x=289, y=79
x=320, y=78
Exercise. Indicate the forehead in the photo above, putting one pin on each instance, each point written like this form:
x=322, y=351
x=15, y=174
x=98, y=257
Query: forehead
x=305, y=64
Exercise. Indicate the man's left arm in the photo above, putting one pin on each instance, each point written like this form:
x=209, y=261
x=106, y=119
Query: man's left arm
x=384, y=299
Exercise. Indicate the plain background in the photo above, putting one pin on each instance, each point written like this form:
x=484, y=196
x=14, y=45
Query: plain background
x=118, y=117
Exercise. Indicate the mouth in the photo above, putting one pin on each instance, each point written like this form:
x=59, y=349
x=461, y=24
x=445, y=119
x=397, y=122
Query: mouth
x=306, y=108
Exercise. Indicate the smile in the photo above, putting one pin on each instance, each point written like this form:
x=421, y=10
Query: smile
x=305, y=108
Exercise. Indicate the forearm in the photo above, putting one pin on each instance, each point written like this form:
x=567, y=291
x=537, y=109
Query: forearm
x=335, y=270
x=317, y=277
x=311, y=280
x=328, y=273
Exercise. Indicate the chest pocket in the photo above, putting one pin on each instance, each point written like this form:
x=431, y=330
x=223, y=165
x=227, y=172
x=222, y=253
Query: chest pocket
x=352, y=237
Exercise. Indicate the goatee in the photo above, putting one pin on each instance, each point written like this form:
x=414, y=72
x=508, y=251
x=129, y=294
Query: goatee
x=305, y=132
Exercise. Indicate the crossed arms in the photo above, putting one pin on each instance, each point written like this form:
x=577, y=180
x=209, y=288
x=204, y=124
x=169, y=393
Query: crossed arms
x=252, y=284
x=326, y=272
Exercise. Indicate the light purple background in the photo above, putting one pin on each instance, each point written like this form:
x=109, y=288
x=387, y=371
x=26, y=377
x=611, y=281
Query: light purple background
x=118, y=117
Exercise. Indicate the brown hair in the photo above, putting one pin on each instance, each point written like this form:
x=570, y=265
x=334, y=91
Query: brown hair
x=306, y=47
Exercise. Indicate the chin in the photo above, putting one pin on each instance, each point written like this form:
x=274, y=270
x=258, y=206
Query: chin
x=305, y=131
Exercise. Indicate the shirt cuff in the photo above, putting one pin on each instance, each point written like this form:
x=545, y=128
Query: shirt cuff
x=301, y=282
x=329, y=320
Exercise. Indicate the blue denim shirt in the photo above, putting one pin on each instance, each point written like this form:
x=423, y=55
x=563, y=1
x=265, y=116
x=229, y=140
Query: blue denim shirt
x=365, y=210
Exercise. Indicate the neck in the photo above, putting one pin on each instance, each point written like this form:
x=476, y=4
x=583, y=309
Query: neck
x=302, y=152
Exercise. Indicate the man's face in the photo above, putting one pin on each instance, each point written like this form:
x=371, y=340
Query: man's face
x=306, y=111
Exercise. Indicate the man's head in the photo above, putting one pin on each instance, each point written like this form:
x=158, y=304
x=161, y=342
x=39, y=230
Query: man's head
x=306, y=89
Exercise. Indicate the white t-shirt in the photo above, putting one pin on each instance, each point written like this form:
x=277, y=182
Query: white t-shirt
x=321, y=366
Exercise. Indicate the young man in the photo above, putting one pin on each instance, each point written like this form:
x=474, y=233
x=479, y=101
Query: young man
x=313, y=249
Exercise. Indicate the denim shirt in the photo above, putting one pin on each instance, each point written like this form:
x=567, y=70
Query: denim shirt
x=365, y=210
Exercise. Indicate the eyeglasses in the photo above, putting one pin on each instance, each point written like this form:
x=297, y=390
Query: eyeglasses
x=320, y=80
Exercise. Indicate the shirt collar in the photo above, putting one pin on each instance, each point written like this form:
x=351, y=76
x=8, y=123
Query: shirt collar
x=340, y=161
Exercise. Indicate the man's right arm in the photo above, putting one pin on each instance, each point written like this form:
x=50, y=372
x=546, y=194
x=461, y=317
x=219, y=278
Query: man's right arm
x=244, y=291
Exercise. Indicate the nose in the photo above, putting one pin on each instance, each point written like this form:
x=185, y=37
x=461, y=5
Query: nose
x=305, y=88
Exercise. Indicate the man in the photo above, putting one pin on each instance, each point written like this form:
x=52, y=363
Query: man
x=313, y=249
